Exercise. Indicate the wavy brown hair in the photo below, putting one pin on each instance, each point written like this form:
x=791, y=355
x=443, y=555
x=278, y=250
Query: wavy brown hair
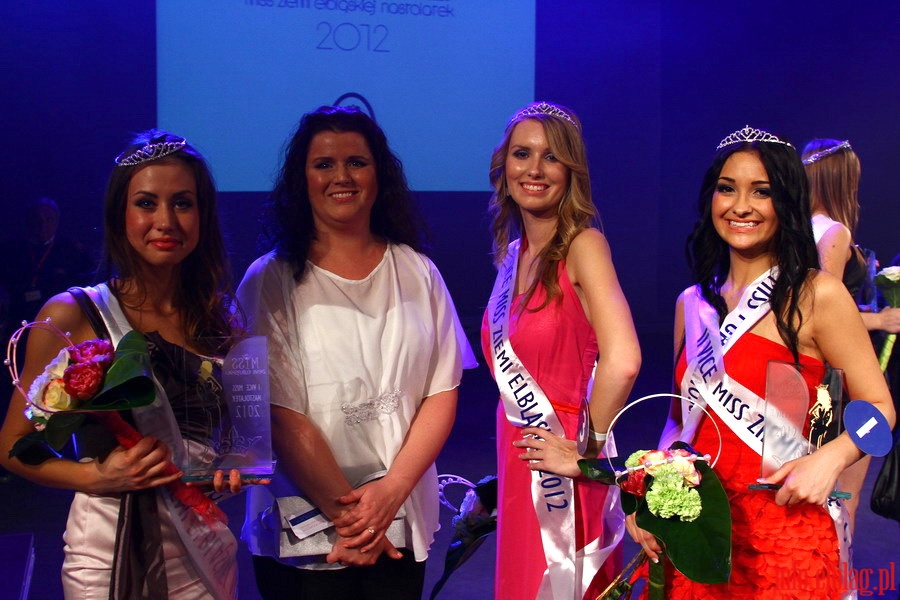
x=576, y=208
x=834, y=182
x=203, y=297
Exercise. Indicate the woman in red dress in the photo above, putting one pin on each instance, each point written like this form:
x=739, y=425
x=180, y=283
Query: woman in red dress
x=760, y=294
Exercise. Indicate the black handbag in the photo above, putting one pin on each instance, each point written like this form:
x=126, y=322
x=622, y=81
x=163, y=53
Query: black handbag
x=886, y=492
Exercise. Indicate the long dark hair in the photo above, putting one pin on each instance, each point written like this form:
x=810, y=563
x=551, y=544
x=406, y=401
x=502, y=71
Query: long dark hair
x=203, y=296
x=793, y=247
x=288, y=222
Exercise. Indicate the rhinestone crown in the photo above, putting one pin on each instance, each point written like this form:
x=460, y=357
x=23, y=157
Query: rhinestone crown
x=150, y=152
x=751, y=134
x=826, y=152
x=544, y=108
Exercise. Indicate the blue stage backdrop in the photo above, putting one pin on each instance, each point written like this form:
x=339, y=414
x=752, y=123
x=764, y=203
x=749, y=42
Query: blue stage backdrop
x=657, y=85
x=439, y=76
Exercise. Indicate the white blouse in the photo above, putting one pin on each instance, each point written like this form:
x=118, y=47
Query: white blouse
x=820, y=224
x=358, y=357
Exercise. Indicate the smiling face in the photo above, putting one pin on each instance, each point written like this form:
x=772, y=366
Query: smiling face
x=743, y=212
x=536, y=180
x=162, y=216
x=342, y=182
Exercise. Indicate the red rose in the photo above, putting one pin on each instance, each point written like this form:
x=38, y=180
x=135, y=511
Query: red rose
x=83, y=379
x=99, y=350
x=634, y=484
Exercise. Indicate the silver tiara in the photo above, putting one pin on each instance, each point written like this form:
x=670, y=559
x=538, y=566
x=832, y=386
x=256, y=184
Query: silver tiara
x=543, y=108
x=826, y=152
x=751, y=134
x=150, y=152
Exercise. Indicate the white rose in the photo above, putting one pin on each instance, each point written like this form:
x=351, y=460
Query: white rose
x=54, y=371
x=892, y=273
x=56, y=397
x=58, y=366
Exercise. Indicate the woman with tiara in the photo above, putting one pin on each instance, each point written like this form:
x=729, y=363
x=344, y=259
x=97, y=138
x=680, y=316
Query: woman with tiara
x=167, y=277
x=760, y=295
x=556, y=310
x=833, y=171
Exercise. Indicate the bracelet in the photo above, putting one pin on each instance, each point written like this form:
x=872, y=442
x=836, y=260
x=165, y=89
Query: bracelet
x=599, y=437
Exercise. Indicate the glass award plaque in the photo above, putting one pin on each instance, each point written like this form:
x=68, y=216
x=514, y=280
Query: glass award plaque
x=802, y=410
x=224, y=414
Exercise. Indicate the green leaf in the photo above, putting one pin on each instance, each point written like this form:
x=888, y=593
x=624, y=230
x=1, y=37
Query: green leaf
x=133, y=393
x=700, y=549
x=133, y=341
x=593, y=468
x=31, y=449
x=128, y=383
x=60, y=427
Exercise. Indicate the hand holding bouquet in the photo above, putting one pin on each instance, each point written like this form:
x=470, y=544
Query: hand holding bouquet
x=93, y=378
x=674, y=495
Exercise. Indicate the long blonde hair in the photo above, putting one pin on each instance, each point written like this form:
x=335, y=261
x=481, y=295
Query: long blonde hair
x=834, y=181
x=576, y=209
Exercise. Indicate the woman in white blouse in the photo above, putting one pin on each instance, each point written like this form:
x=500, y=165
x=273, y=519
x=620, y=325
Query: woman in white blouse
x=366, y=353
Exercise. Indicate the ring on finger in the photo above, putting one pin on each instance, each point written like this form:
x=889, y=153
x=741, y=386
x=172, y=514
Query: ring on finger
x=371, y=530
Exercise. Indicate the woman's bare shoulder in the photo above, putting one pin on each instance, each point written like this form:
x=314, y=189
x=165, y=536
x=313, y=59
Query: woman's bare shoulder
x=64, y=313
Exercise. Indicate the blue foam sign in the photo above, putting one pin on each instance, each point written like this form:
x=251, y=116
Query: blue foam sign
x=868, y=428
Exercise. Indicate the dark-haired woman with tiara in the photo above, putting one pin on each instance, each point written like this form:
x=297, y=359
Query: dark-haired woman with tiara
x=760, y=297
x=167, y=276
x=556, y=310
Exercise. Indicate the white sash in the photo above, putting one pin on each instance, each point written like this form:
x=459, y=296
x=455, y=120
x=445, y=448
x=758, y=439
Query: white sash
x=213, y=549
x=741, y=410
x=705, y=380
x=525, y=405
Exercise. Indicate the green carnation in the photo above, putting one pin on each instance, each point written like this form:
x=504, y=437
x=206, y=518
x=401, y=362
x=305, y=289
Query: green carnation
x=635, y=458
x=669, y=497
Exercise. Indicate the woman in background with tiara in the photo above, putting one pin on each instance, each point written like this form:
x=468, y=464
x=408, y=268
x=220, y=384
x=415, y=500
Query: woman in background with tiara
x=556, y=310
x=760, y=296
x=833, y=171
x=167, y=277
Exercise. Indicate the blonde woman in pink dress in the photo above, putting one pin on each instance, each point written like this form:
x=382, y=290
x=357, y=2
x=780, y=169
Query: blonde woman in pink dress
x=556, y=310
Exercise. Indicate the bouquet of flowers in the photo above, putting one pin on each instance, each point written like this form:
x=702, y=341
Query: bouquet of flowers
x=675, y=495
x=888, y=282
x=92, y=378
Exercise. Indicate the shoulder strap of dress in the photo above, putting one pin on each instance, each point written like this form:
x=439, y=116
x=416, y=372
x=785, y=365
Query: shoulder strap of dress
x=90, y=311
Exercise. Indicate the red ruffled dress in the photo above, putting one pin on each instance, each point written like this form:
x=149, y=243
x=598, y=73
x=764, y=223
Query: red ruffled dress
x=778, y=552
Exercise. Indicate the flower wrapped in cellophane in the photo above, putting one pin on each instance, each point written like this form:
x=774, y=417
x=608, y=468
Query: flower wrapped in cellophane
x=675, y=495
x=92, y=378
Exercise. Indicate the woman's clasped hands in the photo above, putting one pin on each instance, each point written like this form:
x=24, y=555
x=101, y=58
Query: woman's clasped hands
x=362, y=528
